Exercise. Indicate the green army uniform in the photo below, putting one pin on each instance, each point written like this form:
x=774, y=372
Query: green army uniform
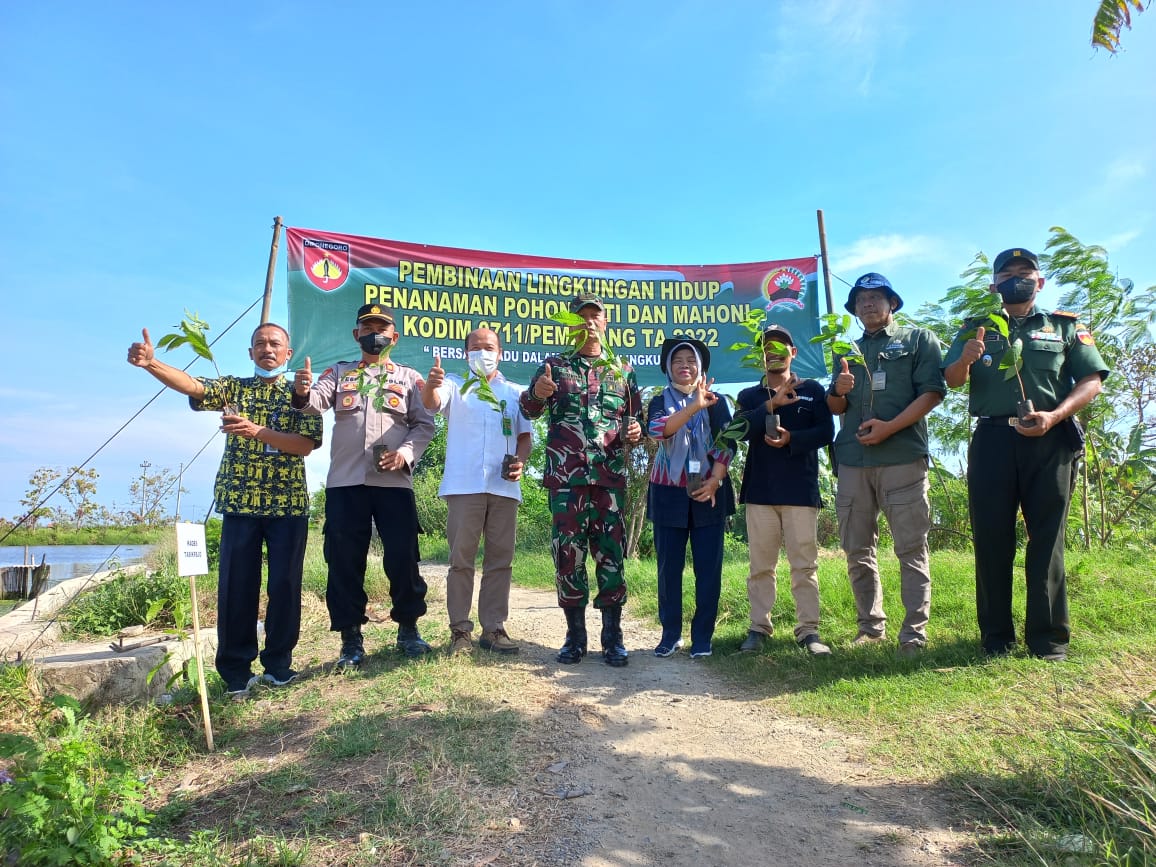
x=1008, y=472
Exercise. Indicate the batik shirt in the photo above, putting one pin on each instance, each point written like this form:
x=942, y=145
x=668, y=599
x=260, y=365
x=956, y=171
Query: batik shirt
x=255, y=478
x=586, y=414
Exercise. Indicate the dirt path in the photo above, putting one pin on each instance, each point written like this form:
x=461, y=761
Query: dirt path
x=666, y=762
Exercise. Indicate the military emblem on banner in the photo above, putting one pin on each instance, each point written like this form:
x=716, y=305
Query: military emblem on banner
x=784, y=285
x=326, y=263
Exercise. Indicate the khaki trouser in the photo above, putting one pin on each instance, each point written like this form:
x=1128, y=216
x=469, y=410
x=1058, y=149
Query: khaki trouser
x=470, y=517
x=769, y=528
x=901, y=493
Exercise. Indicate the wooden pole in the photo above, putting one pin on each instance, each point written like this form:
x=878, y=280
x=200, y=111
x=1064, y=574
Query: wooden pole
x=201, y=688
x=271, y=271
x=826, y=266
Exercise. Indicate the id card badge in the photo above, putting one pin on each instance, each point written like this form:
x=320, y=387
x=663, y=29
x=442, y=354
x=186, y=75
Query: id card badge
x=271, y=450
x=879, y=380
x=693, y=466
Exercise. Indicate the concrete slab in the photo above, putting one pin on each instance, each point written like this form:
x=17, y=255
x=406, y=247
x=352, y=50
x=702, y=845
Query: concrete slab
x=97, y=676
x=33, y=626
x=92, y=672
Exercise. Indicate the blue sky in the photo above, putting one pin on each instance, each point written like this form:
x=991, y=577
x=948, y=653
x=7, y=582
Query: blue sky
x=146, y=148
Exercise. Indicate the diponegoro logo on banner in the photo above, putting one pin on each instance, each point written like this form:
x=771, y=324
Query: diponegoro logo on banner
x=326, y=263
x=784, y=286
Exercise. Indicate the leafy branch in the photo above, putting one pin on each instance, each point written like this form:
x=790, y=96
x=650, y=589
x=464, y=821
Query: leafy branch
x=609, y=362
x=833, y=336
x=755, y=349
x=192, y=334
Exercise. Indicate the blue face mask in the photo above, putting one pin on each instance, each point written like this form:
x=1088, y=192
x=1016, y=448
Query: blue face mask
x=270, y=374
x=1017, y=290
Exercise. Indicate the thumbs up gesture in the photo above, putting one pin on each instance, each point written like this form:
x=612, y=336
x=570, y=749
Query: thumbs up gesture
x=845, y=381
x=544, y=385
x=974, y=349
x=303, y=379
x=140, y=354
x=437, y=375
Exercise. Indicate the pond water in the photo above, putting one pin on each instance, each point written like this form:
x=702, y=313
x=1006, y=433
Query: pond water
x=72, y=561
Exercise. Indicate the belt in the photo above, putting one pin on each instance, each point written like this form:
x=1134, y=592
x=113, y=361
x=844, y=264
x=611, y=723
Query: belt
x=999, y=420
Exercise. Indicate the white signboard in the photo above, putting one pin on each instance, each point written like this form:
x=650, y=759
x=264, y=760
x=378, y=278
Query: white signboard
x=192, y=555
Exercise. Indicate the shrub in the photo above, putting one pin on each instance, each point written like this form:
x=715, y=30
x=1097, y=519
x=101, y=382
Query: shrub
x=149, y=598
x=64, y=801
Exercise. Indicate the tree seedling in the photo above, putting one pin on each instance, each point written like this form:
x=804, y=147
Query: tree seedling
x=191, y=333
x=475, y=381
x=755, y=350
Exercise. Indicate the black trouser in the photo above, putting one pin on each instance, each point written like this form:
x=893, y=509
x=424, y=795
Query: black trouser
x=348, y=512
x=239, y=593
x=1007, y=472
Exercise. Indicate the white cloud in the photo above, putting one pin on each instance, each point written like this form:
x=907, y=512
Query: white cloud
x=844, y=33
x=1120, y=240
x=880, y=252
x=1126, y=170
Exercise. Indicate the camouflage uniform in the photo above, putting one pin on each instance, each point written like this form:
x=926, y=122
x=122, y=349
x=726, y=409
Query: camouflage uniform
x=585, y=473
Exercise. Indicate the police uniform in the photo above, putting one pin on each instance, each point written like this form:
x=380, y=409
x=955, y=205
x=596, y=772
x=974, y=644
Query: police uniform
x=1008, y=472
x=356, y=492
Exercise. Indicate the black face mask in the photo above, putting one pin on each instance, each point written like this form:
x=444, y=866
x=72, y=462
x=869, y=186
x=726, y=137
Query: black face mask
x=1017, y=290
x=374, y=344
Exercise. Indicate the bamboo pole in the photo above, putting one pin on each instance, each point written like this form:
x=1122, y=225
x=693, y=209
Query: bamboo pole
x=201, y=688
x=826, y=266
x=271, y=271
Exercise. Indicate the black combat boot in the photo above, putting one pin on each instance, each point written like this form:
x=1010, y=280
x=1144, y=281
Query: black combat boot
x=613, y=650
x=352, y=648
x=575, y=647
x=410, y=642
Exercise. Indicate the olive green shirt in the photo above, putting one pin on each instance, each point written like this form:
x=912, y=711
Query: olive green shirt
x=1058, y=351
x=909, y=359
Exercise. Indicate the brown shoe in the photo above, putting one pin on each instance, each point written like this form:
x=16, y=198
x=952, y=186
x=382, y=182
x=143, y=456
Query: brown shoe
x=462, y=643
x=498, y=641
x=863, y=639
x=911, y=649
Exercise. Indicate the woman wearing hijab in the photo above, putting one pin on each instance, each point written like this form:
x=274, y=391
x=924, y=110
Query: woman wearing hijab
x=690, y=493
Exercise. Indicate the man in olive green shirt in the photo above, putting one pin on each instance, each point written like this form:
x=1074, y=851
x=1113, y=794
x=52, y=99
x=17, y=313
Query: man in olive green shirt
x=881, y=452
x=1023, y=463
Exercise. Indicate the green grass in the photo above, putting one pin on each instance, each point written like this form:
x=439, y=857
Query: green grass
x=1021, y=742
x=138, y=535
x=1033, y=753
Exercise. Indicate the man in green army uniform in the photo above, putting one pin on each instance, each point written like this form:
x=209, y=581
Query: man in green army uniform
x=1023, y=463
x=593, y=414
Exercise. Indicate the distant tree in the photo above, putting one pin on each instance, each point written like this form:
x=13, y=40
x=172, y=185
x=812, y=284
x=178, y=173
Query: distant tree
x=147, y=492
x=1112, y=16
x=79, y=490
x=40, y=485
x=1118, y=481
x=1120, y=473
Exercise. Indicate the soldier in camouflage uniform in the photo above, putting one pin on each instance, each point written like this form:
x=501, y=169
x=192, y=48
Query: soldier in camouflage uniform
x=261, y=492
x=591, y=409
x=1026, y=464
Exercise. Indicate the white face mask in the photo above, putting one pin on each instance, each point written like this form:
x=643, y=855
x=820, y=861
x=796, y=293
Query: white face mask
x=483, y=362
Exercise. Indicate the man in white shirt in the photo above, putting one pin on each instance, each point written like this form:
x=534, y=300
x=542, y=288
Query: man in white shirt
x=482, y=426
